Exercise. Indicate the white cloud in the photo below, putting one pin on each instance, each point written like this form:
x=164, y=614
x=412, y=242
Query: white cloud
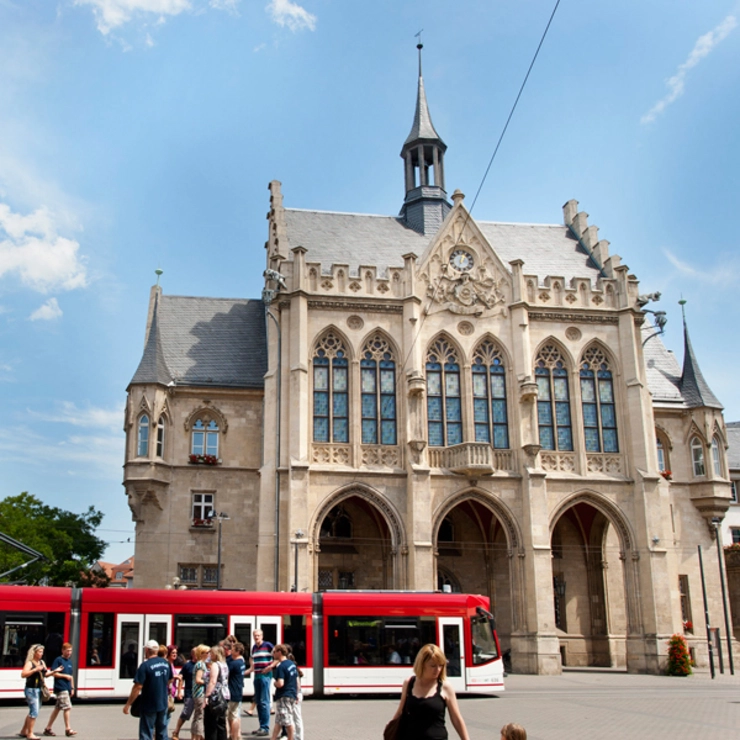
x=47, y=312
x=92, y=416
x=31, y=248
x=292, y=15
x=228, y=5
x=110, y=14
x=722, y=276
x=704, y=45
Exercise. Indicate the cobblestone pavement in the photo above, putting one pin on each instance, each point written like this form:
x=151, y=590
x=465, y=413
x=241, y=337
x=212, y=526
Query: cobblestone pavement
x=579, y=704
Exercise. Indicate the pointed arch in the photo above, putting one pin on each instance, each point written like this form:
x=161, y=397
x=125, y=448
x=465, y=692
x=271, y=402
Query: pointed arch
x=378, y=388
x=207, y=414
x=552, y=370
x=598, y=403
x=444, y=391
x=489, y=371
x=330, y=372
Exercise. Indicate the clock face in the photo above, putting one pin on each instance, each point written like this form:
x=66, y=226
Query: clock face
x=461, y=260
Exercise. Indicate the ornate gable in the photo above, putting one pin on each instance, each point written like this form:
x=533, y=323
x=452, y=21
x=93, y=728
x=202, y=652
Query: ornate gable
x=461, y=271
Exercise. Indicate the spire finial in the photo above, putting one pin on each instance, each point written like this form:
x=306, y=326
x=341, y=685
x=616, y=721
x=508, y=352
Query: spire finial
x=682, y=303
x=158, y=272
x=419, y=46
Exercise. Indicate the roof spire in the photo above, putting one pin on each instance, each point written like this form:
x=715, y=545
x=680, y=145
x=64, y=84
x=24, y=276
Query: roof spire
x=419, y=46
x=694, y=389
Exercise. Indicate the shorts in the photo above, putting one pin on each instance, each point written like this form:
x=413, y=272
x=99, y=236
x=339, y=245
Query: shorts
x=197, y=725
x=284, y=708
x=33, y=699
x=63, y=701
x=234, y=711
x=187, y=709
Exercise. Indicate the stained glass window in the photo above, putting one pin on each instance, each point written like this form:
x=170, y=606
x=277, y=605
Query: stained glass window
x=489, y=396
x=378, y=392
x=597, y=402
x=330, y=390
x=553, y=400
x=444, y=408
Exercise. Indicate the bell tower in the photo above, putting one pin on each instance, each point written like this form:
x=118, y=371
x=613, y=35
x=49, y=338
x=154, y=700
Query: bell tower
x=425, y=205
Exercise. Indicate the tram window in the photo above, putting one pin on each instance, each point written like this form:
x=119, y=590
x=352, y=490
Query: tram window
x=199, y=629
x=21, y=630
x=243, y=633
x=269, y=633
x=378, y=640
x=451, y=642
x=484, y=642
x=294, y=634
x=130, y=641
x=100, y=640
x=158, y=632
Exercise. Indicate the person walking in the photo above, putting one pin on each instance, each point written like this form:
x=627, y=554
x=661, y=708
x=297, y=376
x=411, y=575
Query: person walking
x=34, y=671
x=286, y=692
x=197, y=724
x=216, y=696
x=237, y=666
x=185, y=692
x=151, y=682
x=513, y=731
x=425, y=697
x=261, y=666
x=63, y=690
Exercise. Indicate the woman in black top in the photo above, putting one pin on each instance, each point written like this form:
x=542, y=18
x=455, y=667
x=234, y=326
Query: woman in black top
x=425, y=697
x=34, y=671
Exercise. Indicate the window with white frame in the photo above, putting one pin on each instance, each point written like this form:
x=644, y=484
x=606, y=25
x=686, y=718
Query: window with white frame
x=160, y=437
x=716, y=458
x=735, y=535
x=733, y=491
x=203, y=509
x=661, y=444
x=697, y=456
x=205, y=438
x=142, y=443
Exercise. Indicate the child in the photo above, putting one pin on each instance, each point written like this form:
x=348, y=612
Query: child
x=513, y=731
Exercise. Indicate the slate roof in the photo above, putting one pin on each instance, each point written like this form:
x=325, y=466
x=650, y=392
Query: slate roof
x=733, y=440
x=358, y=239
x=695, y=389
x=205, y=342
x=662, y=369
x=422, y=128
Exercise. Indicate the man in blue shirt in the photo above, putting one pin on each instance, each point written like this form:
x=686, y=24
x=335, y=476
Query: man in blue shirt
x=286, y=691
x=63, y=689
x=185, y=692
x=237, y=666
x=152, y=680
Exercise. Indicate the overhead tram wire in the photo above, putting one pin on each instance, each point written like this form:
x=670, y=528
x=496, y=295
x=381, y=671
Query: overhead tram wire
x=488, y=169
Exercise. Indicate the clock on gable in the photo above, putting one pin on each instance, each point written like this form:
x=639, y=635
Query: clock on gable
x=461, y=260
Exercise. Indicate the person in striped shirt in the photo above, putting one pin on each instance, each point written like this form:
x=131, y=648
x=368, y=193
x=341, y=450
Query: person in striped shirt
x=261, y=665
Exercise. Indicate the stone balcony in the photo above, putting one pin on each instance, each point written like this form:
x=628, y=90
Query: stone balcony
x=472, y=459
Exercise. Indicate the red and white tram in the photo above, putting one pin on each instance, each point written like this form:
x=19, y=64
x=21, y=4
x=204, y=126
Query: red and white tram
x=345, y=642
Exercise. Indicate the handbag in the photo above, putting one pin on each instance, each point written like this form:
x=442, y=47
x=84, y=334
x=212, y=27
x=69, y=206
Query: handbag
x=45, y=693
x=392, y=730
x=170, y=704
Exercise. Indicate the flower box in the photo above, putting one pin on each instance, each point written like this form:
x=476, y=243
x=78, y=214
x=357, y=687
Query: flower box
x=203, y=460
x=202, y=523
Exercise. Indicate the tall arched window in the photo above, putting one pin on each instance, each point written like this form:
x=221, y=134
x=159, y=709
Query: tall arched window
x=330, y=390
x=378, y=392
x=716, y=458
x=205, y=438
x=489, y=396
x=663, y=448
x=697, y=456
x=142, y=444
x=160, y=437
x=444, y=410
x=553, y=400
x=597, y=400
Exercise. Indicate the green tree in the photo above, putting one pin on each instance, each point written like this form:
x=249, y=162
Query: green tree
x=66, y=539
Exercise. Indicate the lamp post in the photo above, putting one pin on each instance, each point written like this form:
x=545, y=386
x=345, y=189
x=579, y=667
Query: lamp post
x=718, y=534
x=221, y=516
x=299, y=535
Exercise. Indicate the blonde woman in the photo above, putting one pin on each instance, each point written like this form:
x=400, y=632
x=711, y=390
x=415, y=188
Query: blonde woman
x=34, y=671
x=426, y=696
x=218, y=686
x=197, y=727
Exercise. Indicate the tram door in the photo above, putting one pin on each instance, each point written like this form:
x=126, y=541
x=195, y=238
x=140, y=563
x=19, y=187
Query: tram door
x=450, y=640
x=243, y=628
x=132, y=633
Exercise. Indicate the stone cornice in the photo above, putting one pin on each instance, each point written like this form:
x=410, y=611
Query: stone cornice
x=572, y=317
x=340, y=304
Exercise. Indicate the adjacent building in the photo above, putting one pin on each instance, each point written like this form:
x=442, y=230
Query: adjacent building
x=435, y=401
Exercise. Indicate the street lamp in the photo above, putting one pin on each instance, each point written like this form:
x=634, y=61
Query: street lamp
x=297, y=537
x=220, y=517
x=718, y=536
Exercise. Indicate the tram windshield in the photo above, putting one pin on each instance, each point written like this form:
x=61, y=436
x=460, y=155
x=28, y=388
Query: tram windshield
x=484, y=641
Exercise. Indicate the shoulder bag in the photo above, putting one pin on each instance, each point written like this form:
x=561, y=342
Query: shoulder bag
x=394, y=729
x=45, y=693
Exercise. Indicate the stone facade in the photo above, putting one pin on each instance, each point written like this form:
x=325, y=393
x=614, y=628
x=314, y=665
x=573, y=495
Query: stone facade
x=442, y=402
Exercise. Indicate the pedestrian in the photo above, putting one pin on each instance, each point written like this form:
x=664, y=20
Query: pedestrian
x=185, y=693
x=286, y=692
x=216, y=695
x=63, y=689
x=151, y=682
x=237, y=666
x=513, y=731
x=424, y=698
x=34, y=671
x=297, y=709
x=261, y=665
x=197, y=724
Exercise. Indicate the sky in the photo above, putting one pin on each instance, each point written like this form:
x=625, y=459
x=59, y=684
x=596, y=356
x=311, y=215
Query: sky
x=142, y=134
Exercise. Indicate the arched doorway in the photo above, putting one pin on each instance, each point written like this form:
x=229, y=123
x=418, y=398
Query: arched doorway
x=355, y=546
x=589, y=587
x=473, y=556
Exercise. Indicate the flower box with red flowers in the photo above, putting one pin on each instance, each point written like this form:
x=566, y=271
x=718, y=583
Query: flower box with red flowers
x=203, y=460
x=666, y=474
x=203, y=523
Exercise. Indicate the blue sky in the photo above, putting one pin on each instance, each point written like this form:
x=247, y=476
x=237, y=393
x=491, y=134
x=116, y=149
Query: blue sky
x=137, y=134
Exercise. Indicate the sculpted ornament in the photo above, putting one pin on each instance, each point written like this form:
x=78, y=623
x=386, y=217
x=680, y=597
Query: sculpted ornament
x=459, y=287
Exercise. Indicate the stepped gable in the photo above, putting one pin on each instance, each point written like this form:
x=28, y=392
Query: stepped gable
x=206, y=342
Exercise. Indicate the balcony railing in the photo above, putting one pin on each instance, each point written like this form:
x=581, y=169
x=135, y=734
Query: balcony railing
x=472, y=459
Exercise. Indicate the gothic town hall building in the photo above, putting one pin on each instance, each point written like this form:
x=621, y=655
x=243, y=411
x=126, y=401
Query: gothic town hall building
x=425, y=401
